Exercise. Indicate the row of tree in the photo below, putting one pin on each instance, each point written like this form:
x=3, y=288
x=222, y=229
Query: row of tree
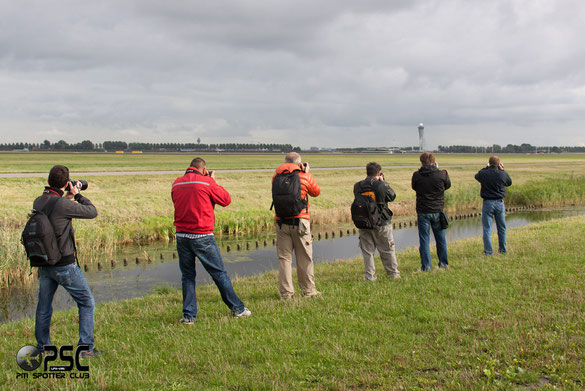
x=149, y=147
x=510, y=148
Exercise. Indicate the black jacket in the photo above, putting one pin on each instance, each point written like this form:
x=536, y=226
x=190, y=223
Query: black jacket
x=63, y=212
x=430, y=184
x=493, y=182
x=383, y=193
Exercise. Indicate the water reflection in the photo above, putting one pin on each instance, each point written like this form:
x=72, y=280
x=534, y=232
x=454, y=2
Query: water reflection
x=118, y=283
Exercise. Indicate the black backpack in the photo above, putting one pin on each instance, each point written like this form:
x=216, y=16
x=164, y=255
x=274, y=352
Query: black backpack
x=39, y=238
x=364, y=211
x=286, y=195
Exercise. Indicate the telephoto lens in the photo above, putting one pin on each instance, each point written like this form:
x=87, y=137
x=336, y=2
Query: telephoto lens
x=83, y=184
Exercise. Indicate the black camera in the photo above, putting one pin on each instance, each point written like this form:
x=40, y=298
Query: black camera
x=83, y=184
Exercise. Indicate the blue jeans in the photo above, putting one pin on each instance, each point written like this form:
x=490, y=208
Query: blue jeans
x=426, y=221
x=206, y=250
x=491, y=209
x=72, y=279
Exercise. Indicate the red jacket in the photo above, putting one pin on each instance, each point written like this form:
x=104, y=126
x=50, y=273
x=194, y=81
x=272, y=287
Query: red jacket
x=308, y=185
x=195, y=196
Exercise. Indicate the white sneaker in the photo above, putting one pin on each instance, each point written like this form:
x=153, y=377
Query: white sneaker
x=245, y=312
x=185, y=320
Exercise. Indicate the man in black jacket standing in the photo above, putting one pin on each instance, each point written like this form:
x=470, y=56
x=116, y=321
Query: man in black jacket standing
x=66, y=272
x=494, y=181
x=430, y=184
x=379, y=237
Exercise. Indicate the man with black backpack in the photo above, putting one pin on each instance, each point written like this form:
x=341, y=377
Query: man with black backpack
x=61, y=269
x=370, y=213
x=292, y=184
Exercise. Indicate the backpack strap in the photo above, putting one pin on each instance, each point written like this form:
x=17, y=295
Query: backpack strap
x=49, y=206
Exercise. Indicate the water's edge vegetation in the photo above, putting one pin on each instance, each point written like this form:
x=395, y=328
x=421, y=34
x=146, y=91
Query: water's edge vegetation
x=96, y=242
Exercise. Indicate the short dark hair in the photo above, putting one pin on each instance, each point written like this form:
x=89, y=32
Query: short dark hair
x=494, y=161
x=373, y=168
x=197, y=163
x=58, y=176
x=427, y=158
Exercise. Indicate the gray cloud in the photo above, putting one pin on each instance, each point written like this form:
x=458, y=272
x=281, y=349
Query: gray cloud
x=328, y=73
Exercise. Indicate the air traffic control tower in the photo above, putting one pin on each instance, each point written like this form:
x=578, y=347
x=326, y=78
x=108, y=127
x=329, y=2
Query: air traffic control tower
x=421, y=137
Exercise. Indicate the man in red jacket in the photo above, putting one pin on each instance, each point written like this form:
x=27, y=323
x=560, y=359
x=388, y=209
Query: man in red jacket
x=195, y=195
x=293, y=230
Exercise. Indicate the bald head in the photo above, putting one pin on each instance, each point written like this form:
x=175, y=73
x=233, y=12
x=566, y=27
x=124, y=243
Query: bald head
x=494, y=161
x=292, y=157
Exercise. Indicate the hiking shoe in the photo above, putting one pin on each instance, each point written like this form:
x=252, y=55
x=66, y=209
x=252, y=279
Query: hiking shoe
x=186, y=320
x=394, y=277
x=313, y=294
x=90, y=353
x=443, y=266
x=245, y=312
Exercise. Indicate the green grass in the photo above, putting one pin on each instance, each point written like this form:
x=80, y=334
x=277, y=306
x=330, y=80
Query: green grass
x=507, y=322
x=82, y=162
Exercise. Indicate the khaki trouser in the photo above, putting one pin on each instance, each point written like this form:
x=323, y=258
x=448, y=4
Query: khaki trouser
x=378, y=238
x=289, y=237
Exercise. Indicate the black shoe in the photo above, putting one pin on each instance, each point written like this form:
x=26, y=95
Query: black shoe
x=90, y=353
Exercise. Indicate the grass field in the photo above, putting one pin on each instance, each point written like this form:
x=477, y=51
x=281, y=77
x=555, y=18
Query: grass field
x=507, y=322
x=135, y=209
x=80, y=162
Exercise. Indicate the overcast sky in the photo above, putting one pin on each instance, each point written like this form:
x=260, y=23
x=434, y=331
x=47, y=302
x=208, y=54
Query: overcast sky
x=310, y=73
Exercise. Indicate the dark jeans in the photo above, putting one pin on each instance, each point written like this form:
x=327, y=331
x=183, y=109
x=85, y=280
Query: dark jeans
x=493, y=209
x=206, y=250
x=72, y=279
x=426, y=221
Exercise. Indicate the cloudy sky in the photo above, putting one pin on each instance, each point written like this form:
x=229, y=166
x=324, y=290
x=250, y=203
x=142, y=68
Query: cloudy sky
x=310, y=73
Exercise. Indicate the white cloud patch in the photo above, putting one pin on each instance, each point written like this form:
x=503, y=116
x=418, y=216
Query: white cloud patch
x=328, y=73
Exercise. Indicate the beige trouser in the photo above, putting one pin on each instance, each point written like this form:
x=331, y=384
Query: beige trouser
x=289, y=237
x=378, y=238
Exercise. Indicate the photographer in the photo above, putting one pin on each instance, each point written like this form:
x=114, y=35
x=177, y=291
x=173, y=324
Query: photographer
x=292, y=184
x=430, y=184
x=66, y=272
x=494, y=181
x=380, y=236
x=195, y=195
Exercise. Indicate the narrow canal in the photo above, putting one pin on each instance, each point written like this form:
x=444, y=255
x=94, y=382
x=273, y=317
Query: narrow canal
x=139, y=278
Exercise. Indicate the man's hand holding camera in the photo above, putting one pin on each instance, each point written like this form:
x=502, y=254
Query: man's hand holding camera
x=73, y=189
x=305, y=167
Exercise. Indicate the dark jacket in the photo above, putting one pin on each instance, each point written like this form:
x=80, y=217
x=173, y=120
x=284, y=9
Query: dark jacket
x=194, y=197
x=430, y=184
x=493, y=182
x=383, y=193
x=63, y=212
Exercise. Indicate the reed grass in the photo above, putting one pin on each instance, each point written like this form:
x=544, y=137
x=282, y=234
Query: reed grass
x=138, y=209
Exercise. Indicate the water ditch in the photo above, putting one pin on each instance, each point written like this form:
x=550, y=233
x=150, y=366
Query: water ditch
x=136, y=271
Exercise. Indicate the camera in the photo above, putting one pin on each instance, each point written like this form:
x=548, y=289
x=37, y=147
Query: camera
x=83, y=184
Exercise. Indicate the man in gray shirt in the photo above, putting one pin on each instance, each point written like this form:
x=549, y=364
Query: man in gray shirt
x=66, y=272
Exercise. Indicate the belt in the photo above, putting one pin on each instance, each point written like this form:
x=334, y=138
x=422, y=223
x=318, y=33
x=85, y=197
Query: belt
x=294, y=221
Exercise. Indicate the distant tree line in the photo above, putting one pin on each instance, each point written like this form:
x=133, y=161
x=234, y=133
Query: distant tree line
x=46, y=145
x=149, y=147
x=510, y=148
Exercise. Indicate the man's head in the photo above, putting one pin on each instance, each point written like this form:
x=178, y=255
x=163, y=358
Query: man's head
x=292, y=157
x=198, y=163
x=494, y=161
x=427, y=159
x=58, y=176
x=373, y=169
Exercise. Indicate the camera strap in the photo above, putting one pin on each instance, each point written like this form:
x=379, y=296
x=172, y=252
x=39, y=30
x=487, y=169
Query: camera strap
x=192, y=171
